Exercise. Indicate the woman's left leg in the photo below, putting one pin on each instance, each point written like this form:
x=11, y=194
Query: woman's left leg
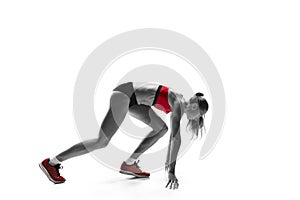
x=119, y=103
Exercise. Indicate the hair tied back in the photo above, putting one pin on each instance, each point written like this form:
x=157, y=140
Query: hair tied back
x=199, y=94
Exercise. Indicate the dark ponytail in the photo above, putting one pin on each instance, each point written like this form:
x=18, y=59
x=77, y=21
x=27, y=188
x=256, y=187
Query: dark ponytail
x=201, y=125
x=203, y=105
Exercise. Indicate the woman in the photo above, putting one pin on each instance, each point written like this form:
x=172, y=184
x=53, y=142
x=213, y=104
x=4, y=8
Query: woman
x=137, y=98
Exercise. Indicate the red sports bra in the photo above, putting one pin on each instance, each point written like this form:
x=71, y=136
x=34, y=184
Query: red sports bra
x=161, y=99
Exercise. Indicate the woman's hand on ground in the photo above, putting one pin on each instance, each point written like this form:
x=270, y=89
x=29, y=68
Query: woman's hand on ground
x=172, y=181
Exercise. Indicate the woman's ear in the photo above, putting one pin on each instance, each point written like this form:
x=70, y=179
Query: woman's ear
x=194, y=106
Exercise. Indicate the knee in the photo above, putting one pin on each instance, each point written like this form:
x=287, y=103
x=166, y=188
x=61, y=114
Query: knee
x=163, y=130
x=101, y=143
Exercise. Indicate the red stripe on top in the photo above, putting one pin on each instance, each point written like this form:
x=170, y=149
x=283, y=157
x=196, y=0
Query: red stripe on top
x=162, y=100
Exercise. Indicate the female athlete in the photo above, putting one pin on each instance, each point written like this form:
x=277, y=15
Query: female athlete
x=137, y=98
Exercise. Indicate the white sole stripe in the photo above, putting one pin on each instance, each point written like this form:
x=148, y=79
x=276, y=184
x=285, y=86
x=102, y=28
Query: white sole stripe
x=131, y=173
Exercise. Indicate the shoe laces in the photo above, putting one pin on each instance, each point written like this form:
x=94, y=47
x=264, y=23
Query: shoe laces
x=136, y=164
x=58, y=167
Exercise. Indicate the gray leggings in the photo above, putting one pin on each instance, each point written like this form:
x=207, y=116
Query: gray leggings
x=122, y=101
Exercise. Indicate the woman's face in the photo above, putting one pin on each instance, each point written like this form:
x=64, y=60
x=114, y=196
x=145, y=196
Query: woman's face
x=192, y=109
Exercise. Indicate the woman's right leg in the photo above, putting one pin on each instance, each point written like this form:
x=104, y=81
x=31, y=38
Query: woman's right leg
x=118, y=108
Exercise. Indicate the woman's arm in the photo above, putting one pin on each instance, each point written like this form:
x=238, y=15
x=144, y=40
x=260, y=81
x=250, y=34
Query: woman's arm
x=174, y=145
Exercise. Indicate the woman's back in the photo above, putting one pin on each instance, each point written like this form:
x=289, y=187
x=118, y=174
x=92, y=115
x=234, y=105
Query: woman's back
x=145, y=92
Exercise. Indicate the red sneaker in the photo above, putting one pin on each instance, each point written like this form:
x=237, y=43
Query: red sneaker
x=133, y=169
x=52, y=171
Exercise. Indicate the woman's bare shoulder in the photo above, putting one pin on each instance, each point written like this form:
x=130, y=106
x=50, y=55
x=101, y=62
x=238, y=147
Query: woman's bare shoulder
x=175, y=100
x=173, y=95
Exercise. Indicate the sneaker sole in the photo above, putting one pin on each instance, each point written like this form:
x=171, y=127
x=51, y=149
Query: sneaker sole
x=48, y=175
x=133, y=174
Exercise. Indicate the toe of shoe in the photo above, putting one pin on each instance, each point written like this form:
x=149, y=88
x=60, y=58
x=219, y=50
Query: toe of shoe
x=144, y=174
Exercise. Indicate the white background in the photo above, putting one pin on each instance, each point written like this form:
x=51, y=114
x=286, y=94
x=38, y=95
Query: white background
x=255, y=46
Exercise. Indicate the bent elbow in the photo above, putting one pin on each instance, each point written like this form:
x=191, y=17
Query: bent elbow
x=177, y=139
